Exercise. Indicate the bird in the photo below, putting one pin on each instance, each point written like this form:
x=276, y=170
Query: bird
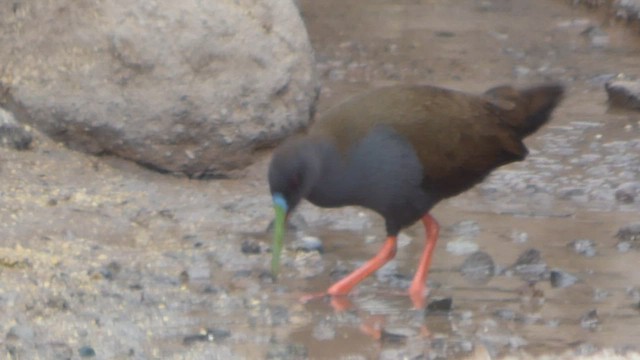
x=399, y=150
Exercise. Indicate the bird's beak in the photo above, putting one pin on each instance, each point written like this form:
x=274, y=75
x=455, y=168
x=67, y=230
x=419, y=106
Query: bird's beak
x=280, y=206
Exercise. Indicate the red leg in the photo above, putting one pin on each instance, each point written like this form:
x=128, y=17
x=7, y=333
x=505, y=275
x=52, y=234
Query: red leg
x=416, y=291
x=344, y=286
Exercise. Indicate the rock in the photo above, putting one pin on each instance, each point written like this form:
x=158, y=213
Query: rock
x=392, y=337
x=629, y=232
x=111, y=270
x=463, y=234
x=207, y=335
x=583, y=349
x=628, y=193
x=250, y=247
x=623, y=246
x=465, y=228
x=600, y=294
x=597, y=37
x=86, y=351
x=478, y=267
x=440, y=306
x=624, y=94
x=521, y=71
x=530, y=265
x=23, y=333
x=506, y=314
x=634, y=293
x=12, y=134
x=519, y=237
x=308, y=243
x=627, y=9
x=561, y=279
x=286, y=351
x=584, y=247
x=189, y=87
x=590, y=320
x=462, y=246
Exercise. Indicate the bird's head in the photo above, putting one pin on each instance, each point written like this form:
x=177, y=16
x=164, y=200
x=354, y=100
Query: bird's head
x=294, y=170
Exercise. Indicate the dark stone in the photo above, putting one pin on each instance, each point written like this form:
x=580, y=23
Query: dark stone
x=624, y=94
x=86, y=351
x=210, y=335
x=629, y=232
x=110, y=271
x=250, y=247
x=392, y=338
x=530, y=266
x=561, y=279
x=439, y=306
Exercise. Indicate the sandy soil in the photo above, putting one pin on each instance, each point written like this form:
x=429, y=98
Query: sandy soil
x=101, y=258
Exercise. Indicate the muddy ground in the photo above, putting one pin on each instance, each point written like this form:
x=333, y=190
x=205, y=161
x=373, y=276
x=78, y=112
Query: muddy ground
x=101, y=258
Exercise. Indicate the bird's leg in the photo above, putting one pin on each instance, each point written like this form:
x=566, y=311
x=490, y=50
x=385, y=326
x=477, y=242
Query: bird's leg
x=344, y=286
x=416, y=291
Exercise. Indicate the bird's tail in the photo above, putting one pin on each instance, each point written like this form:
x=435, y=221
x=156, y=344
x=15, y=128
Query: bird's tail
x=531, y=107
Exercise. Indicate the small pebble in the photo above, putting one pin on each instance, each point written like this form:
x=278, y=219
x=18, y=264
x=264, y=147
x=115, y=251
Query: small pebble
x=633, y=293
x=207, y=336
x=86, y=351
x=530, y=265
x=392, y=337
x=465, y=228
x=287, y=351
x=519, y=237
x=13, y=134
x=590, y=320
x=250, y=247
x=478, y=267
x=584, y=247
x=462, y=246
x=600, y=294
x=308, y=243
x=561, y=279
x=111, y=270
x=629, y=232
x=505, y=314
x=623, y=246
x=440, y=306
x=21, y=332
x=584, y=349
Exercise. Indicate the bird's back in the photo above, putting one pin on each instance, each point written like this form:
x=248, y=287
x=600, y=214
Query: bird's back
x=459, y=138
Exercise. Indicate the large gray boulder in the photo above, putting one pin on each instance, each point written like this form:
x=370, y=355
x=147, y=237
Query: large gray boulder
x=184, y=86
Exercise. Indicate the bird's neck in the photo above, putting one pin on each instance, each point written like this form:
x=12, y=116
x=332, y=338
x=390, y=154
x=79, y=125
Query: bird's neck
x=335, y=184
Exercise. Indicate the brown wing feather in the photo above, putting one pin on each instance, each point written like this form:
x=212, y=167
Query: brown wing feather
x=459, y=138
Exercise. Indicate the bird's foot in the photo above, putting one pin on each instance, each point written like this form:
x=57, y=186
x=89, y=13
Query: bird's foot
x=338, y=302
x=373, y=326
x=313, y=296
x=418, y=296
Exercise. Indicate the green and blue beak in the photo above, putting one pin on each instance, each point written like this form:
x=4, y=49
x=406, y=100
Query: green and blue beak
x=281, y=207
